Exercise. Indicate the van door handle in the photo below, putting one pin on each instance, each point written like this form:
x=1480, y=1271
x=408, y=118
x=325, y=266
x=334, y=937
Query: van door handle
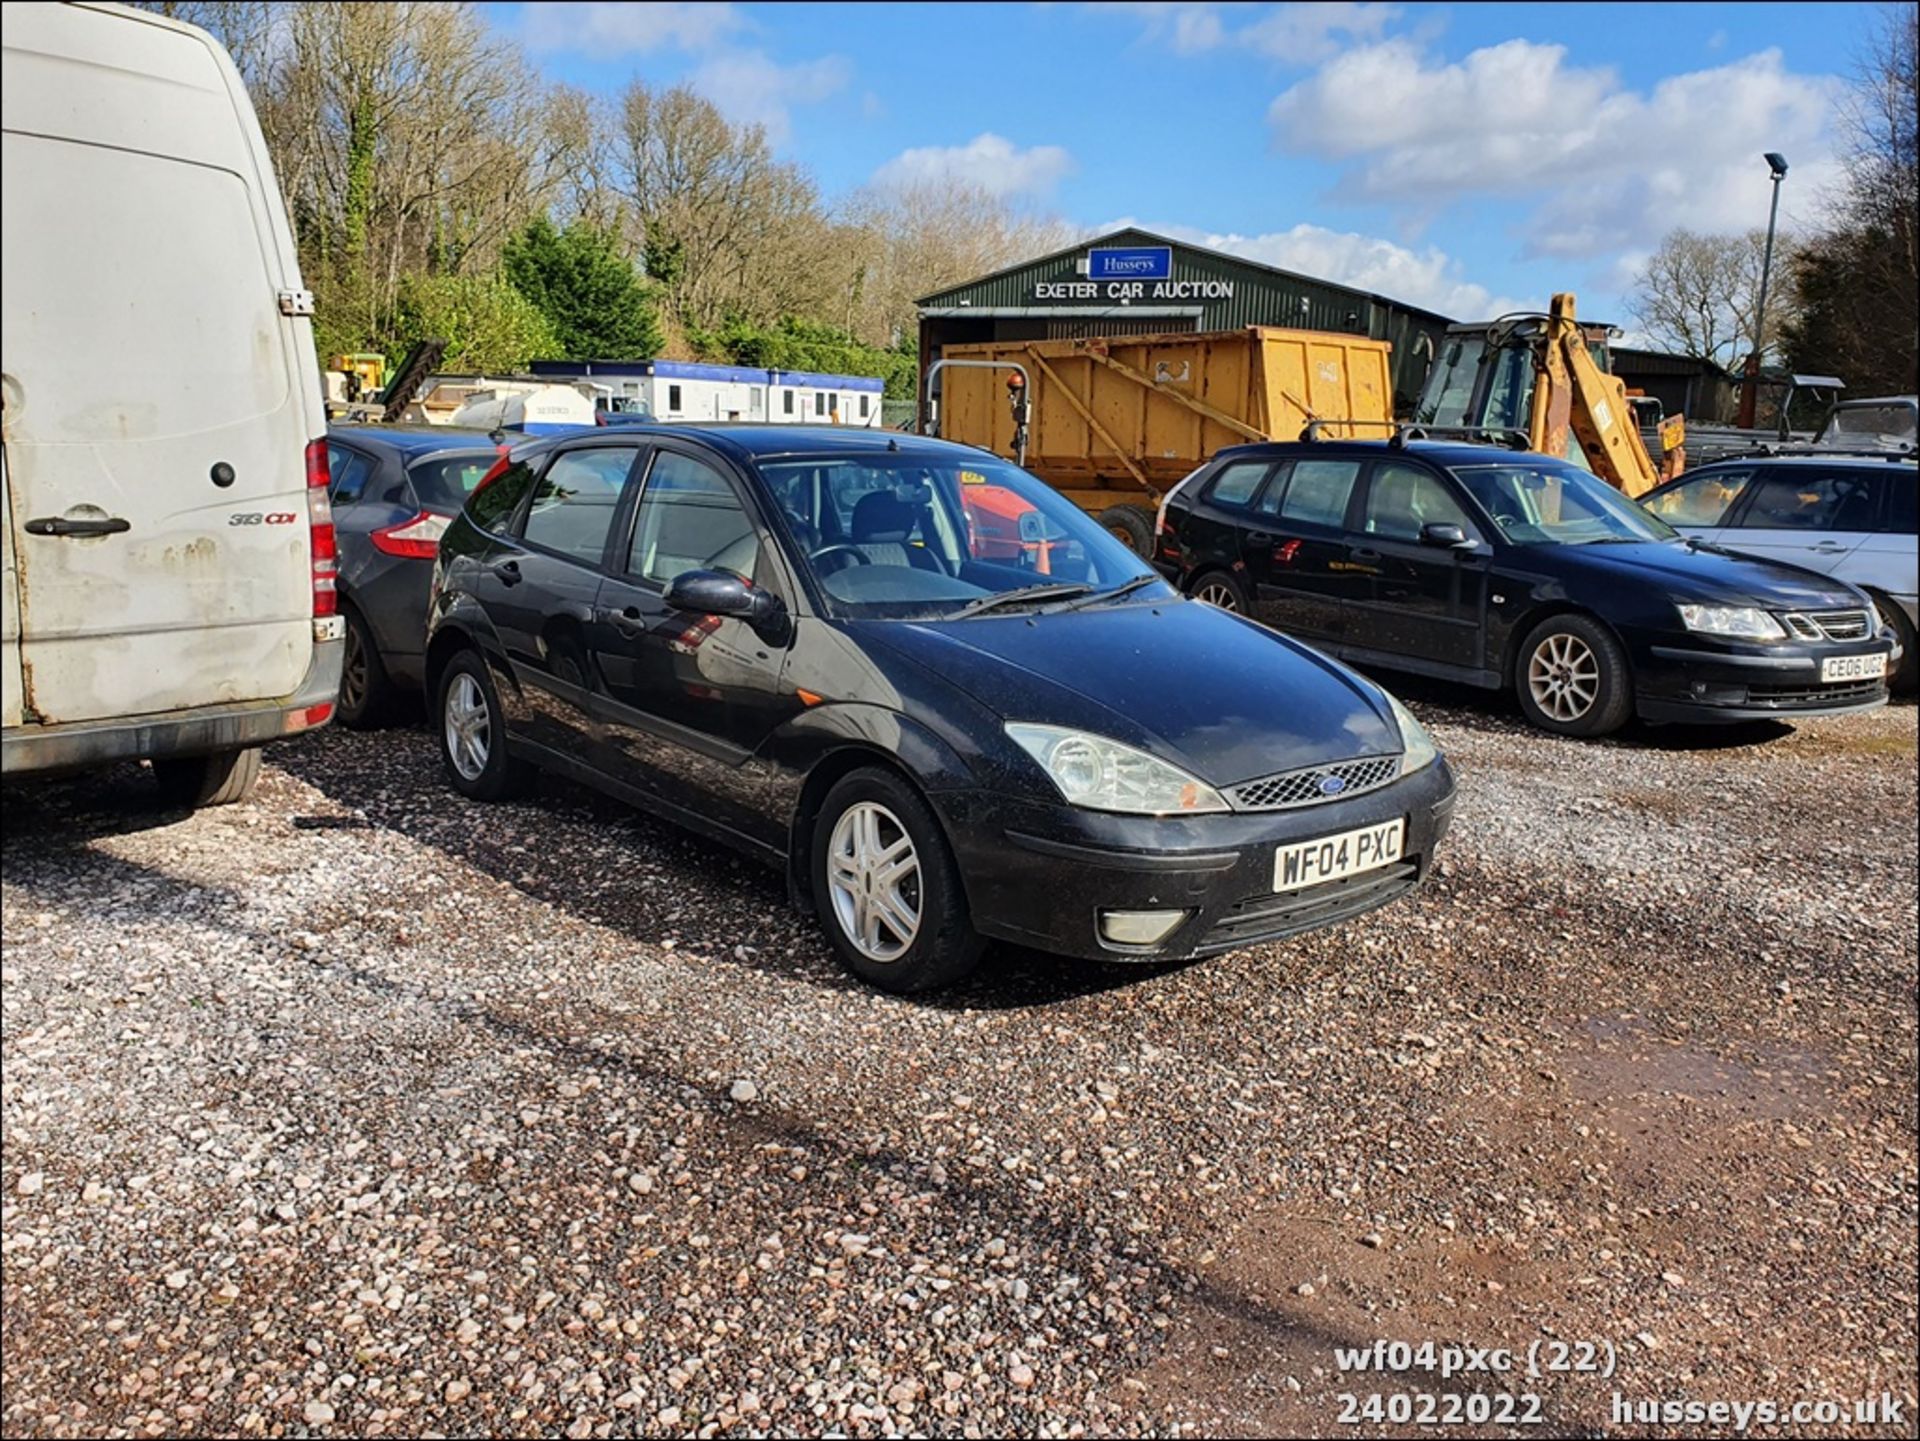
x=85, y=525
x=508, y=571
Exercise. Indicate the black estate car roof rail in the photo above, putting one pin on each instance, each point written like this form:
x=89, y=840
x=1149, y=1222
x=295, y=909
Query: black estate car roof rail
x=1404, y=432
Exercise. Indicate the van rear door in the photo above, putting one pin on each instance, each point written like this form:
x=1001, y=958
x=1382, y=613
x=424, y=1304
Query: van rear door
x=155, y=409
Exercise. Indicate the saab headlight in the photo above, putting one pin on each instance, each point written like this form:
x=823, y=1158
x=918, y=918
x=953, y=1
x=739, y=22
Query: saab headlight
x=1103, y=775
x=1741, y=622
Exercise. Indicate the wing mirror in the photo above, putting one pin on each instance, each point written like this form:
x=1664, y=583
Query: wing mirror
x=716, y=592
x=1444, y=536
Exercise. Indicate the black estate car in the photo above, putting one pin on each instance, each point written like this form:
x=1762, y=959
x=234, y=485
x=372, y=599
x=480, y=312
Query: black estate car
x=926, y=685
x=1500, y=568
x=393, y=491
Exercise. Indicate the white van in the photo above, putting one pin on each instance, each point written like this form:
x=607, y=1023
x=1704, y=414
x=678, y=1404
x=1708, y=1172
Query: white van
x=169, y=554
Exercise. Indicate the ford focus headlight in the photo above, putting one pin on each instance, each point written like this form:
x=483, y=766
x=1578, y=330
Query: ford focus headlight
x=1417, y=744
x=1103, y=775
x=1742, y=622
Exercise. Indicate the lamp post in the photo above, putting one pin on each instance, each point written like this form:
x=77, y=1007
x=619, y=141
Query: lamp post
x=1777, y=164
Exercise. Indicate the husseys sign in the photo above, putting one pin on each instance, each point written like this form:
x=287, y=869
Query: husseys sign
x=1125, y=273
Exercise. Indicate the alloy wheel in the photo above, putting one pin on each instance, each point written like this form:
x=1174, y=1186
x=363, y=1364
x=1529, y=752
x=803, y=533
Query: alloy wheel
x=1564, y=677
x=467, y=726
x=873, y=873
x=1217, y=593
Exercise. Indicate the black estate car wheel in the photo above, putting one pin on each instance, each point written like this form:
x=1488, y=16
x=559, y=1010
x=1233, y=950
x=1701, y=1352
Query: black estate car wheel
x=473, y=732
x=886, y=886
x=1220, y=589
x=1572, y=677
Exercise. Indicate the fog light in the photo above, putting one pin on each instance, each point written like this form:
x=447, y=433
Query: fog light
x=1139, y=928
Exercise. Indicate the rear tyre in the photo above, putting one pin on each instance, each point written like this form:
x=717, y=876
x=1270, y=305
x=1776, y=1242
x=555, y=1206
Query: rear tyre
x=216, y=780
x=1220, y=589
x=1906, y=678
x=366, y=690
x=1573, y=678
x=1131, y=526
x=886, y=887
x=473, y=732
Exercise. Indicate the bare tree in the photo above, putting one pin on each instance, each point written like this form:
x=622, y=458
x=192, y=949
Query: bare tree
x=1700, y=295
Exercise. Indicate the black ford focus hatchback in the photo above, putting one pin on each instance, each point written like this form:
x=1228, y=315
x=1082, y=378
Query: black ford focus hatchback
x=943, y=700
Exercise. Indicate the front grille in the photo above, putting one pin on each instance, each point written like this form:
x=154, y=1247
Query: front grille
x=1314, y=785
x=1807, y=697
x=1270, y=917
x=1829, y=624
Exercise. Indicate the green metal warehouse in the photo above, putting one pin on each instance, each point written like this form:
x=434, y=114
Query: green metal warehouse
x=1132, y=282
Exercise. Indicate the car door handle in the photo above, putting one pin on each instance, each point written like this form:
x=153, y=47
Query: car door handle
x=1261, y=537
x=85, y=525
x=1829, y=547
x=509, y=572
x=1364, y=553
x=628, y=622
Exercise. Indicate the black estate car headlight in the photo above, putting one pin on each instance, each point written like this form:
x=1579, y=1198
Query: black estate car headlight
x=1103, y=775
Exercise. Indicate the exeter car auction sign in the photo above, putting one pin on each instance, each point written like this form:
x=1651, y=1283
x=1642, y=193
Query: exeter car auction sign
x=1136, y=272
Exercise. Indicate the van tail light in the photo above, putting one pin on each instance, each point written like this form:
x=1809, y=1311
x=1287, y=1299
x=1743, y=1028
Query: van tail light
x=415, y=539
x=320, y=539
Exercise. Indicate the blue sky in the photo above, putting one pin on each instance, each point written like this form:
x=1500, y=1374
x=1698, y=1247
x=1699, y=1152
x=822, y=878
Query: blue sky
x=1465, y=157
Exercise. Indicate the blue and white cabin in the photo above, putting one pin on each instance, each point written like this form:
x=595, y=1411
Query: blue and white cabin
x=693, y=390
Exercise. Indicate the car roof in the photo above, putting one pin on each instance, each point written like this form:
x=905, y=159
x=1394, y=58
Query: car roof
x=747, y=441
x=411, y=440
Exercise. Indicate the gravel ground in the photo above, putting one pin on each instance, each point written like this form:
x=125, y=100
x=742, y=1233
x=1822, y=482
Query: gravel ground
x=358, y=1109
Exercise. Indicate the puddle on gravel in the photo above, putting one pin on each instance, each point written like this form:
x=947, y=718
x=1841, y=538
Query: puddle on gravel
x=1629, y=1063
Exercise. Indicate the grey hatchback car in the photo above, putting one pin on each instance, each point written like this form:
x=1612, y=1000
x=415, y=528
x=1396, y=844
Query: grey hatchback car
x=1847, y=515
x=393, y=490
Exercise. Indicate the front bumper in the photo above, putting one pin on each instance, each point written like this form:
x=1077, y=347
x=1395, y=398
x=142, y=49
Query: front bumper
x=1701, y=680
x=1041, y=875
x=205, y=730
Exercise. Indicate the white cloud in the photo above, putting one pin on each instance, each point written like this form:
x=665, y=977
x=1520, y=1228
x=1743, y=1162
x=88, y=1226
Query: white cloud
x=1610, y=169
x=988, y=162
x=750, y=88
x=1428, y=278
x=1301, y=34
x=607, y=30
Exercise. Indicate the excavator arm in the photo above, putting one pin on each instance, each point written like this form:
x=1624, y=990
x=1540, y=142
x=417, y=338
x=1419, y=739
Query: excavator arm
x=1570, y=391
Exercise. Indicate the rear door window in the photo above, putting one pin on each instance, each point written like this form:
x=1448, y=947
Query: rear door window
x=1318, y=492
x=1798, y=498
x=573, y=506
x=1897, y=515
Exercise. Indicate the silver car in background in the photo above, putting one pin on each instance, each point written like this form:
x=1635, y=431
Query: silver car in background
x=1850, y=515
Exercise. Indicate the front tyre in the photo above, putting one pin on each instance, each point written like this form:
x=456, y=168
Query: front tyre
x=1573, y=677
x=1906, y=677
x=887, y=888
x=473, y=732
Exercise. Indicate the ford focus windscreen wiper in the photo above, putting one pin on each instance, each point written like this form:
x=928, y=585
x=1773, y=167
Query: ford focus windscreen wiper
x=1055, y=591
